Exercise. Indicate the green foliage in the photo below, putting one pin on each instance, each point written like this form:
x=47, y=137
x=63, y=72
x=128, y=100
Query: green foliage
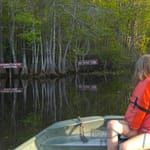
x=114, y=57
x=72, y=55
x=124, y=23
x=116, y=30
x=27, y=19
x=30, y=36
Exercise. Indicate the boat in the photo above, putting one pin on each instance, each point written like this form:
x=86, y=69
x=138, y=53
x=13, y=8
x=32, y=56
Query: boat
x=81, y=133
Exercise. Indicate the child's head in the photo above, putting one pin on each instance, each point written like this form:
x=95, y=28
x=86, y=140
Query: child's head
x=142, y=68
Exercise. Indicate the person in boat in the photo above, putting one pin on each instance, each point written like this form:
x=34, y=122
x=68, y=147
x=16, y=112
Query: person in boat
x=136, y=123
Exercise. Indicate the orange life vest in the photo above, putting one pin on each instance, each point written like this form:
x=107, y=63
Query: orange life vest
x=139, y=104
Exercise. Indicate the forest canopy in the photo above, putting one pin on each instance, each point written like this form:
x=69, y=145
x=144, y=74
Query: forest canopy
x=48, y=36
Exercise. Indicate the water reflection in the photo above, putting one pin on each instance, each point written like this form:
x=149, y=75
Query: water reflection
x=43, y=102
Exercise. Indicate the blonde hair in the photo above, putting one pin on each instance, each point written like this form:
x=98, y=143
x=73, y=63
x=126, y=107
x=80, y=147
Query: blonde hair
x=142, y=69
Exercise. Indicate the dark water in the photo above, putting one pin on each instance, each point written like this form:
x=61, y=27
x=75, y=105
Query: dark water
x=43, y=102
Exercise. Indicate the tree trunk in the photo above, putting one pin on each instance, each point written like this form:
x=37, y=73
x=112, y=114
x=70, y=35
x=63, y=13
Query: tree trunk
x=60, y=48
x=53, y=50
x=1, y=36
x=71, y=36
x=25, y=68
x=12, y=30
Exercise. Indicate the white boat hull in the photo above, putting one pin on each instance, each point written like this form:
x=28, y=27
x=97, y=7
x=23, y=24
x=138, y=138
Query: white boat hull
x=87, y=133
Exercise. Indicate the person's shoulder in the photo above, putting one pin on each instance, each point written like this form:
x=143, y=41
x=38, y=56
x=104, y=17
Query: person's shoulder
x=147, y=81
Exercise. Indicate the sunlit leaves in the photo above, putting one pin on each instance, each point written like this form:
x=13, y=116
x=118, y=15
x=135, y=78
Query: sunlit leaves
x=30, y=36
x=109, y=26
x=26, y=19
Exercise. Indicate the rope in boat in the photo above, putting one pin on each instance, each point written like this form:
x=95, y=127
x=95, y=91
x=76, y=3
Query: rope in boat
x=82, y=136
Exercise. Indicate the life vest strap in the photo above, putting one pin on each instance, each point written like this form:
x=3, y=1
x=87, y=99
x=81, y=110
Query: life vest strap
x=140, y=107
